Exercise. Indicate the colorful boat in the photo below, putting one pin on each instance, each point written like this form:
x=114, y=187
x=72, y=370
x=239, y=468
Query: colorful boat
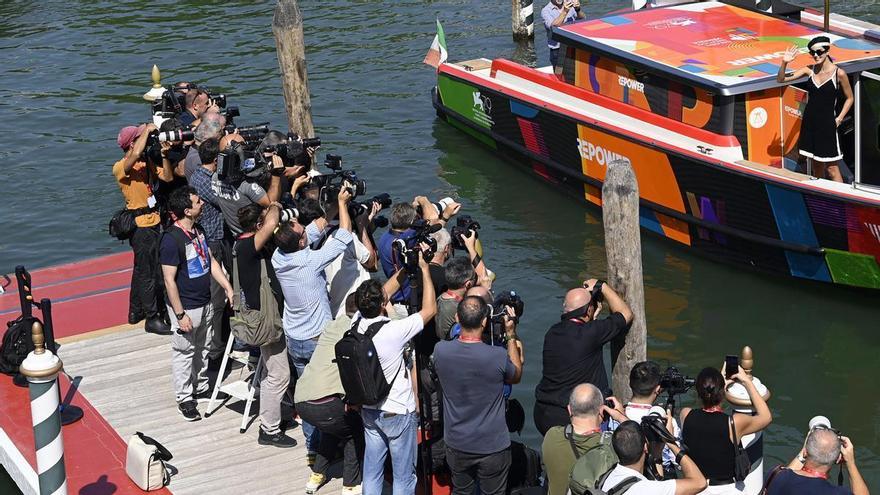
x=688, y=94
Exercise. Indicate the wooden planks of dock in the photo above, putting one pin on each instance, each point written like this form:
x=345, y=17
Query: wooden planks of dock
x=126, y=375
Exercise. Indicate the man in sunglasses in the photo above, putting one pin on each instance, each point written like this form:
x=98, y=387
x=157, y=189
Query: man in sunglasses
x=573, y=349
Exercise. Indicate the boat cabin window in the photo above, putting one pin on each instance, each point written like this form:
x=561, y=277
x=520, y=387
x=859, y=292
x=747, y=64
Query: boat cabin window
x=653, y=92
x=867, y=129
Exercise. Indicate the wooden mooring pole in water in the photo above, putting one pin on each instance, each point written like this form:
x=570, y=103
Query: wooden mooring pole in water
x=623, y=248
x=290, y=46
x=523, y=19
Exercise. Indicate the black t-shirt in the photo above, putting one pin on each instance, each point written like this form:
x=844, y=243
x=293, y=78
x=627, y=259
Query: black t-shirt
x=249, y=274
x=427, y=338
x=573, y=355
x=189, y=252
x=787, y=482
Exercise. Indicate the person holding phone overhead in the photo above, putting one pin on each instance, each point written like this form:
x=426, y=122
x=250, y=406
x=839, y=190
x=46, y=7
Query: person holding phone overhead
x=557, y=13
x=819, y=123
x=708, y=431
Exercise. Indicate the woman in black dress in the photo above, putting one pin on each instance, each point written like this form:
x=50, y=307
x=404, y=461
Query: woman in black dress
x=818, y=141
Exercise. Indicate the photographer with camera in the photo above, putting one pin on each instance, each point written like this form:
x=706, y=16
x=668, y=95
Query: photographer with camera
x=631, y=447
x=210, y=127
x=582, y=441
x=460, y=277
x=260, y=300
x=300, y=272
x=232, y=196
x=472, y=375
x=136, y=176
x=807, y=474
x=573, y=349
x=712, y=435
x=198, y=103
x=390, y=426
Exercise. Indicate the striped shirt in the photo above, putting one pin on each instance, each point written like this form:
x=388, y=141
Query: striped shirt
x=304, y=284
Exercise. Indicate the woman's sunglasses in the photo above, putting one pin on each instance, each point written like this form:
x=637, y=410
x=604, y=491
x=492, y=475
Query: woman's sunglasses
x=819, y=52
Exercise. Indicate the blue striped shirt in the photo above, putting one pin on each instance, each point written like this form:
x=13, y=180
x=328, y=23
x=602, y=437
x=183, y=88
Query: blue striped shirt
x=302, y=279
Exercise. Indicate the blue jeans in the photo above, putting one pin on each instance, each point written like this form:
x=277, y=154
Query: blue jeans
x=384, y=433
x=300, y=353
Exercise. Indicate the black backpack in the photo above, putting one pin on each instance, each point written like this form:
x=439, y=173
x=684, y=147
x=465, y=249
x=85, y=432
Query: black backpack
x=17, y=343
x=359, y=368
x=525, y=467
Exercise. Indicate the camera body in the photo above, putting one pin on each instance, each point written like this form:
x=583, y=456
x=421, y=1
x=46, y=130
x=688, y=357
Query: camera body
x=409, y=250
x=235, y=162
x=673, y=382
x=464, y=224
x=495, y=333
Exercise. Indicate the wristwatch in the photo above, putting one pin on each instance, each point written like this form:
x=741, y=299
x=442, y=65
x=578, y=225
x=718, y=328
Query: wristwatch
x=180, y=315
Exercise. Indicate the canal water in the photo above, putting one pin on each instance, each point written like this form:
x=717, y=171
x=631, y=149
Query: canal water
x=74, y=72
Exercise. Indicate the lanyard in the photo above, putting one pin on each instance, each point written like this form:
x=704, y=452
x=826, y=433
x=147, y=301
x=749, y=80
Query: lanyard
x=815, y=474
x=713, y=409
x=453, y=295
x=462, y=338
x=195, y=243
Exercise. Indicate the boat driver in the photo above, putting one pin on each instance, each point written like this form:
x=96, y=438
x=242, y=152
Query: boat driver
x=557, y=13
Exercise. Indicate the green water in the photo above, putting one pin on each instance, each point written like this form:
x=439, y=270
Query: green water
x=74, y=72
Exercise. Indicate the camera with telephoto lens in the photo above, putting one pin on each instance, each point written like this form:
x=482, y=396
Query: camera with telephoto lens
x=253, y=135
x=287, y=214
x=495, y=333
x=464, y=225
x=292, y=149
x=330, y=184
x=230, y=114
x=175, y=135
x=169, y=105
x=357, y=208
x=653, y=426
x=409, y=250
x=218, y=99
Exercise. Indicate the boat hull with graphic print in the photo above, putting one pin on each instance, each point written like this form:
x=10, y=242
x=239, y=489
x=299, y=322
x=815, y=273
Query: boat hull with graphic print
x=716, y=158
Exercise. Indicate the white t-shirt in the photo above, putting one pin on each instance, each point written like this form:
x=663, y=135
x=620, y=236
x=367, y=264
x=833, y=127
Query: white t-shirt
x=643, y=487
x=345, y=274
x=389, y=343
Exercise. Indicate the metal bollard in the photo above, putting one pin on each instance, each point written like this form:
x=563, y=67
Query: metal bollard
x=41, y=368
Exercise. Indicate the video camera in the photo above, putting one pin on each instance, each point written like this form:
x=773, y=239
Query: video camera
x=234, y=162
x=330, y=184
x=496, y=334
x=464, y=224
x=673, y=382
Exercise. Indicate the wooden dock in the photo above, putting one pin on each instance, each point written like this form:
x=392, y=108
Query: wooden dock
x=126, y=375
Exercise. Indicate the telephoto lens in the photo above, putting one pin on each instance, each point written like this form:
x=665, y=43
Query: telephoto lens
x=288, y=214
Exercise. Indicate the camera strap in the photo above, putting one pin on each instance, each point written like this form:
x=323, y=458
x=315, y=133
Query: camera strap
x=575, y=313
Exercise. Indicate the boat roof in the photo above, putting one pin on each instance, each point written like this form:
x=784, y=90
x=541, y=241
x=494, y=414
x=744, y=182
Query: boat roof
x=719, y=47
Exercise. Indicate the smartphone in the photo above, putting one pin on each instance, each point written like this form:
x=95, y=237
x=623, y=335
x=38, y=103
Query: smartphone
x=731, y=365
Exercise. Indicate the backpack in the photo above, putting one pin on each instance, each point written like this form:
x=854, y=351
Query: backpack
x=525, y=467
x=618, y=489
x=17, y=343
x=588, y=467
x=359, y=368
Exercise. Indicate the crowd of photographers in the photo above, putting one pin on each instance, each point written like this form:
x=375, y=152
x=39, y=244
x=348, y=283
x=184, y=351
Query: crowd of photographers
x=237, y=236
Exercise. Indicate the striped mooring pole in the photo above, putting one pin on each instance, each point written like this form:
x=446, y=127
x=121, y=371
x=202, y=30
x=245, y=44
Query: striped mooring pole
x=523, y=19
x=41, y=368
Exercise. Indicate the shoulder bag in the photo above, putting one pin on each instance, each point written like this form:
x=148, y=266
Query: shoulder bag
x=741, y=463
x=145, y=461
x=252, y=326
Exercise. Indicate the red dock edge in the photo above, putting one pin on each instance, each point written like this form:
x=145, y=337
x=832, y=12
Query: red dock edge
x=86, y=296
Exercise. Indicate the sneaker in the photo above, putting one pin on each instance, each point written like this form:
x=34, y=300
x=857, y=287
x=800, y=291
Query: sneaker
x=310, y=458
x=277, y=440
x=351, y=490
x=316, y=480
x=188, y=410
x=206, y=396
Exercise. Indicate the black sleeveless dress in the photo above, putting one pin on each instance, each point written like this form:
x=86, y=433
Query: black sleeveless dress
x=819, y=139
x=707, y=436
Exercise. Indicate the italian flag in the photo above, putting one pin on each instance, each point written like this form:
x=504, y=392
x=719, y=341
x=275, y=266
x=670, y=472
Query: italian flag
x=437, y=54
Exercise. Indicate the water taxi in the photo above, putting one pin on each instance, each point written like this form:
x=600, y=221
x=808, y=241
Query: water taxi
x=688, y=94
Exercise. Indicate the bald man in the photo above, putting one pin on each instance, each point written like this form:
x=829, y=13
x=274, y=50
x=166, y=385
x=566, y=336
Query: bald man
x=573, y=349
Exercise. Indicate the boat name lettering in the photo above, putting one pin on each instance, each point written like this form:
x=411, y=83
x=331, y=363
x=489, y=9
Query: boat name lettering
x=631, y=84
x=704, y=149
x=598, y=154
x=757, y=58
